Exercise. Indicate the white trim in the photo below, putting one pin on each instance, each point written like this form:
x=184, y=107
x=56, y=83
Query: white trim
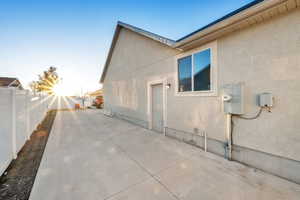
x=149, y=100
x=213, y=75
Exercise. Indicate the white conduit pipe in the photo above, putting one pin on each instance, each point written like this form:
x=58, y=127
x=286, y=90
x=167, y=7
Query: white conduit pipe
x=205, y=142
x=229, y=135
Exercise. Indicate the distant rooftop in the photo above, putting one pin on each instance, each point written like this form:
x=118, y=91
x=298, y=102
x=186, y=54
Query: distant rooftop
x=10, y=82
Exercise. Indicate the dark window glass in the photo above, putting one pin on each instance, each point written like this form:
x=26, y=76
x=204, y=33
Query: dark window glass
x=202, y=70
x=185, y=74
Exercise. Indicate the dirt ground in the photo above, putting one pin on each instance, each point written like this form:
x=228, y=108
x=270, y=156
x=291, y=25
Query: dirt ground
x=17, y=181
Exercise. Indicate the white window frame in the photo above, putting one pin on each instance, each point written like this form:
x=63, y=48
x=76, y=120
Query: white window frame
x=213, y=71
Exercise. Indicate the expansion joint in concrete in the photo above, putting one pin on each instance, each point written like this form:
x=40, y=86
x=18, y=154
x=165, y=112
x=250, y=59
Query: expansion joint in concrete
x=148, y=172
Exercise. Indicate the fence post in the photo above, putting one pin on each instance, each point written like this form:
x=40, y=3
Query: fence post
x=13, y=120
x=27, y=105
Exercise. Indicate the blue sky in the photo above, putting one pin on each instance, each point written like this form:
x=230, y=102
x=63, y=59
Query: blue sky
x=75, y=35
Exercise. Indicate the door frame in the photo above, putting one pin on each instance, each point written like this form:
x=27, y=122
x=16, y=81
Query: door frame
x=150, y=100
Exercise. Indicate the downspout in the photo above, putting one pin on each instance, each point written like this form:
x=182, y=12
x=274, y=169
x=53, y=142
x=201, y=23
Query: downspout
x=228, y=136
x=205, y=142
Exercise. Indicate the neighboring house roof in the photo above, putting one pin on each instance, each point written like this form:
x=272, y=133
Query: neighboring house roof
x=248, y=15
x=96, y=93
x=10, y=82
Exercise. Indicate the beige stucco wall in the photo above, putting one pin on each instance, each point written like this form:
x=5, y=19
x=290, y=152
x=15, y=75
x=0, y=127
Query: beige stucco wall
x=135, y=61
x=266, y=57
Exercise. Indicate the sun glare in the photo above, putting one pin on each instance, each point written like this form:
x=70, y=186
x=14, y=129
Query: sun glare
x=61, y=90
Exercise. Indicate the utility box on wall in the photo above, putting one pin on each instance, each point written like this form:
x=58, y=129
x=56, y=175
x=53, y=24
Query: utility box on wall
x=265, y=99
x=233, y=98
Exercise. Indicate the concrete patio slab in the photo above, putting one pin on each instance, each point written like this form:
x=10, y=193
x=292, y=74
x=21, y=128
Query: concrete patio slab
x=91, y=156
x=151, y=188
x=220, y=179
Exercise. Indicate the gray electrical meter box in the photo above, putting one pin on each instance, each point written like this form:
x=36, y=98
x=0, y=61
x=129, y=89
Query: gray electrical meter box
x=233, y=98
x=265, y=99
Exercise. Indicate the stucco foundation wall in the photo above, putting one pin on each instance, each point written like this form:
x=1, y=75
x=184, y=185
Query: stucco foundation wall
x=266, y=57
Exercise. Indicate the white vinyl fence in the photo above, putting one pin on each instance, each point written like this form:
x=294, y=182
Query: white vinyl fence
x=20, y=113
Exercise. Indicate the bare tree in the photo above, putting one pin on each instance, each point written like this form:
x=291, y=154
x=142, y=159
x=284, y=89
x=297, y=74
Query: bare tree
x=46, y=81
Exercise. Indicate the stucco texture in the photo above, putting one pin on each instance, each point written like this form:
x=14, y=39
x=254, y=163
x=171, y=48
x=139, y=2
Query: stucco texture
x=135, y=61
x=266, y=57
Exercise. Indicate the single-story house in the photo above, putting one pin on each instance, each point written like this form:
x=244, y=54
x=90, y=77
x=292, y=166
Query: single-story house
x=232, y=86
x=10, y=82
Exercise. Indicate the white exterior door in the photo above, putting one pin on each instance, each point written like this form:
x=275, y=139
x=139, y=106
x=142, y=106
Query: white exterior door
x=157, y=107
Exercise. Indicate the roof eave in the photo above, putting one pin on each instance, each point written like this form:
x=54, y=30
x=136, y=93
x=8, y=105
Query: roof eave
x=148, y=34
x=228, y=25
x=244, y=17
x=110, y=51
